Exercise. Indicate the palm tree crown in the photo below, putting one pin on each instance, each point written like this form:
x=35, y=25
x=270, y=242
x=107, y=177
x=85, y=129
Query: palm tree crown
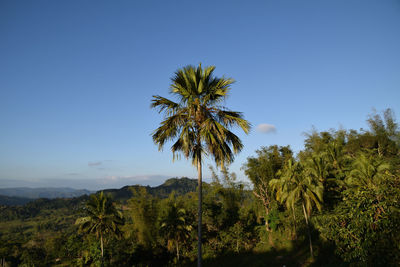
x=367, y=171
x=200, y=125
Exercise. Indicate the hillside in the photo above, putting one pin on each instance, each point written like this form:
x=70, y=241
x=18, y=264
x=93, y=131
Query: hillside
x=22, y=195
x=180, y=185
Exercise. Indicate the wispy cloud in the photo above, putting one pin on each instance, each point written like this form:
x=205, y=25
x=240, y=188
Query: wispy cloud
x=94, y=163
x=266, y=128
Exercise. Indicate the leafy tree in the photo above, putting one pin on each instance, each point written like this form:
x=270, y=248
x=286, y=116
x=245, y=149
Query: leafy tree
x=316, y=142
x=143, y=209
x=262, y=169
x=365, y=225
x=198, y=122
x=386, y=131
x=228, y=196
x=102, y=218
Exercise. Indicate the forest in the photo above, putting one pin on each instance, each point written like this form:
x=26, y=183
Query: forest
x=335, y=203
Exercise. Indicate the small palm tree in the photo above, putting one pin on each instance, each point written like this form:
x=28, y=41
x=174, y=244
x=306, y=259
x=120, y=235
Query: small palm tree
x=175, y=228
x=197, y=122
x=295, y=186
x=282, y=185
x=336, y=158
x=316, y=168
x=367, y=171
x=102, y=218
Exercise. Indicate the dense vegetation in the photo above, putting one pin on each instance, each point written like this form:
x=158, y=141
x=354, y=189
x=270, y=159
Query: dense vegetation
x=337, y=203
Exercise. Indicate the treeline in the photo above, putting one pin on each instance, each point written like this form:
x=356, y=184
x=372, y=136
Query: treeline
x=146, y=230
x=150, y=231
x=344, y=187
x=39, y=206
x=337, y=203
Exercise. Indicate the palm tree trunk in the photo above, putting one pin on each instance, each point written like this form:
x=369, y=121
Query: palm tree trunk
x=199, y=213
x=308, y=229
x=177, y=250
x=267, y=217
x=294, y=224
x=102, y=249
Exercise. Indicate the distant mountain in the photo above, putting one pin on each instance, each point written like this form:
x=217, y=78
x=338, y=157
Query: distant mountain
x=34, y=193
x=22, y=195
x=180, y=185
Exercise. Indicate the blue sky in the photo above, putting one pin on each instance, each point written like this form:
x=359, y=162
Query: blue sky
x=77, y=78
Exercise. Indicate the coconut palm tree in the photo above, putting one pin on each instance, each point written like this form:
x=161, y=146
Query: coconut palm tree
x=316, y=168
x=174, y=227
x=282, y=185
x=296, y=186
x=336, y=157
x=197, y=122
x=102, y=218
x=367, y=171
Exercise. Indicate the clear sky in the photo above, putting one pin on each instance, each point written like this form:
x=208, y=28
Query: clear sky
x=77, y=77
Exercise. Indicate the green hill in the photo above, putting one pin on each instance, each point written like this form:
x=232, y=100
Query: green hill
x=12, y=208
x=180, y=185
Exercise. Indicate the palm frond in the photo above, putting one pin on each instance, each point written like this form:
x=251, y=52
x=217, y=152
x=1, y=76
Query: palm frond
x=195, y=123
x=164, y=104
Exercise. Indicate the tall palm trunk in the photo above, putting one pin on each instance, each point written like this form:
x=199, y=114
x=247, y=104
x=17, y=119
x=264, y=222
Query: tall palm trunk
x=308, y=230
x=294, y=224
x=267, y=217
x=102, y=249
x=177, y=250
x=200, y=184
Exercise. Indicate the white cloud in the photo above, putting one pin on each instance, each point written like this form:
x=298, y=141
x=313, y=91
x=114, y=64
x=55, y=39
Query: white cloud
x=266, y=128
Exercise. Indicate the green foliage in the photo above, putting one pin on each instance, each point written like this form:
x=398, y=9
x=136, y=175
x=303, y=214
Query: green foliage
x=262, y=169
x=13, y=201
x=197, y=120
x=367, y=171
x=143, y=210
x=174, y=226
x=102, y=219
x=349, y=182
x=295, y=184
x=364, y=226
x=198, y=124
x=181, y=186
